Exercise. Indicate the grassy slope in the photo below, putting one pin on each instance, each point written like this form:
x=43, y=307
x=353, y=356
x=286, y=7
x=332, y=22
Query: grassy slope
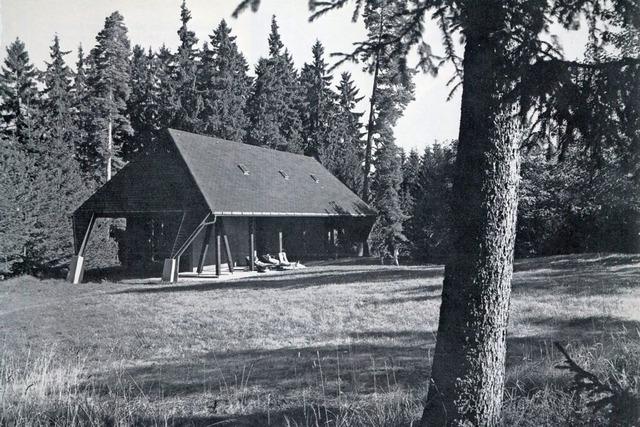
x=258, y=349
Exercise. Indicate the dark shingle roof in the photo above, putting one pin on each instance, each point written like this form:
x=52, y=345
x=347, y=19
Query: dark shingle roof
x=200, y=173
x=241, y=179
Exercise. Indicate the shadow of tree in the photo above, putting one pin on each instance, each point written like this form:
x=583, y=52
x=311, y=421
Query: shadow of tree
x=295, y=280
x=375, y=361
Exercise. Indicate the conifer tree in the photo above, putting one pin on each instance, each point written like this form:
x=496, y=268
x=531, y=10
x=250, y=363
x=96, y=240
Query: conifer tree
x=342, y=152
x=62, y=190
x=387, y=235
x=276, y=99
x=167, y=92
x=81, y=111
x=392, y=83
x=19, y=94
x=143, y=107
x=108, y=81
x=226, y=86
x=409, y=187
x=58, y=98
x=187, y=104
x=319, y=101
x=17, y=202
x=429, y=225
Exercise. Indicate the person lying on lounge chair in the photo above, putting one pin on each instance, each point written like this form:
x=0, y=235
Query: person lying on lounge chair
x=270, y=260
x=286, y=264
x=260, y=266
x=282, y=258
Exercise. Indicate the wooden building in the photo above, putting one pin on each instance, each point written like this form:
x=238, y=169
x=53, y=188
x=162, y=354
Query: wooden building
x=195, y=201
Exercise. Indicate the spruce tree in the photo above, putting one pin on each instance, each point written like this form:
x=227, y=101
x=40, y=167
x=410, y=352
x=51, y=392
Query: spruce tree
x=19, y=94
x=342, y=153
x=16, y=199
x=188, y=103
x=409, y=190
x=108, y=81
x=319, y=101
x=57, y=104
x=226, y=86
x=387, y=234
x=276, y=99
x=81, y=112
x=143, y=106
x=167, y=92
x=63, y=189
x=429, y=223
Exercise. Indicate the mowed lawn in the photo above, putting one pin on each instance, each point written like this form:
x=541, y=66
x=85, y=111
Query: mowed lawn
x=328, y=342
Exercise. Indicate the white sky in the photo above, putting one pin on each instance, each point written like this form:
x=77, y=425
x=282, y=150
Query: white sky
x=154, y=22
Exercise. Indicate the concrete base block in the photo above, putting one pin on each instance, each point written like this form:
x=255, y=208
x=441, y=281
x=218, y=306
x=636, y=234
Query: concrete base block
x=170, y=270
x=76, y=269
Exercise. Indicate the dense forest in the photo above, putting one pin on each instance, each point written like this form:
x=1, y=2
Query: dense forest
x=68, y=127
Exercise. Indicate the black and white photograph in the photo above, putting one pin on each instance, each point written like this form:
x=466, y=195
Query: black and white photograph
x=320, y=213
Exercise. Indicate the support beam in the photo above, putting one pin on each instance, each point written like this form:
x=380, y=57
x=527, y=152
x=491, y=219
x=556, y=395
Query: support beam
x=170, y=270
x=218, y=248
x=205, y=248
x=76, y=266
x=280, y=246
x=252, y=243
x=228, y=250
x=191, y=237
x=87, y=233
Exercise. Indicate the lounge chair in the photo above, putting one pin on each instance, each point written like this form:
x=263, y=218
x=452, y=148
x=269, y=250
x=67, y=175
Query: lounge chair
x=260, y=266
x=282, y=257
x=270, y=260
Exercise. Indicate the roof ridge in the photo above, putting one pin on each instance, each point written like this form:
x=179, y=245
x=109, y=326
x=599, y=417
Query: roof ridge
x=244, y=144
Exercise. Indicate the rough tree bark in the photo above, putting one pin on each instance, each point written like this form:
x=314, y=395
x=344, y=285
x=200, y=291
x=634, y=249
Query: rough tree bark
x=467, y=374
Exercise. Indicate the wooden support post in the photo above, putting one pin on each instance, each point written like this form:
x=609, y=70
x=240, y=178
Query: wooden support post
x=170, y=270
x=252, y=244
x=228, y=250
x=205, y=248
x=218, y=254
x=76, y=266
x=280, y=246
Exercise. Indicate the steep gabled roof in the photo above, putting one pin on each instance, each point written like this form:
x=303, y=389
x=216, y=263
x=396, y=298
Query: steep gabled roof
x=230, y=178
x=241, y=179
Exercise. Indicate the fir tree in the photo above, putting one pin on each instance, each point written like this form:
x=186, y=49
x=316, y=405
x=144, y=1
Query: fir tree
x=319, y=101
x=226, y=86
x=410, y=174
x=108, y=82
x=429, y=225
x=342, y=152
x=187, y=104
x=387, y=234
x=81, y=111
x=50, y=238
x=143, y=107
x=19, y=94
x=167, y=92
x=58, y=98
x=276, y=100
x=16, y=216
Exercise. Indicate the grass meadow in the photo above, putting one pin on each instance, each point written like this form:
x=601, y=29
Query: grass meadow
x=335, y=344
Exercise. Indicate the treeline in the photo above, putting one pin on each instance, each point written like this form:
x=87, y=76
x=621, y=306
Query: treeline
x=67, y=129
x=570, y=202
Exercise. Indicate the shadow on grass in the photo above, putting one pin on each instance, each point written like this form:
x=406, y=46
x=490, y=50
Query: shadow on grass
x=298, y=280
x=249, y=381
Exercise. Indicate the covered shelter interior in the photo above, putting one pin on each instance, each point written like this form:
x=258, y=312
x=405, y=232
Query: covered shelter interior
x=198, y=204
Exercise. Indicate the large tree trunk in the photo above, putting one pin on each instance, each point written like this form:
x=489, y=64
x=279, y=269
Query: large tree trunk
x=467, y=373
